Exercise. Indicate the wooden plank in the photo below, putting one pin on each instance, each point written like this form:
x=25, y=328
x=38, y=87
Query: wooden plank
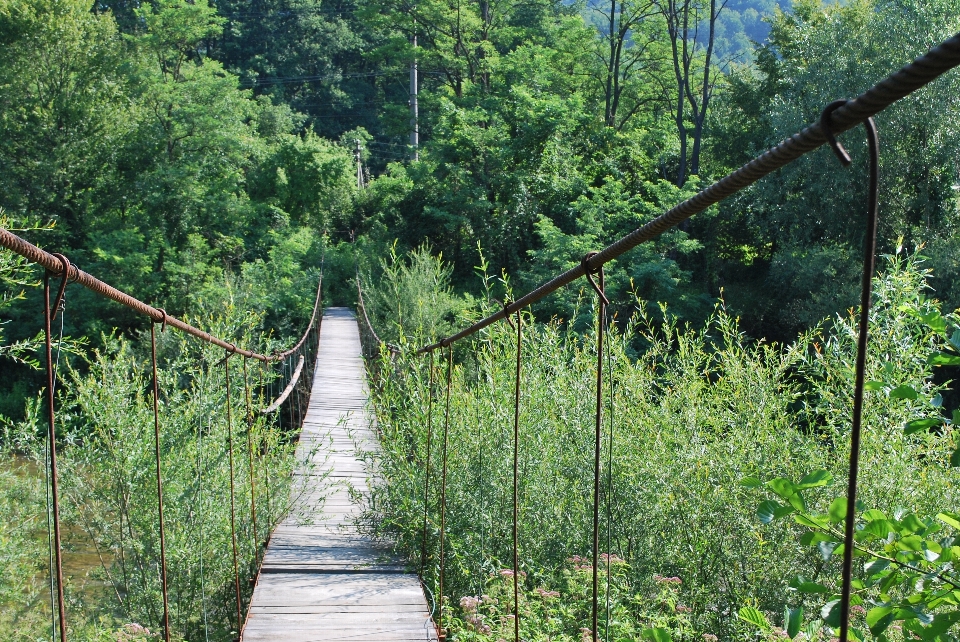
x=322, y=579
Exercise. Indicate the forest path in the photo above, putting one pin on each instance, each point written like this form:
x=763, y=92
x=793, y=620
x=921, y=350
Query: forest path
x=322, y=579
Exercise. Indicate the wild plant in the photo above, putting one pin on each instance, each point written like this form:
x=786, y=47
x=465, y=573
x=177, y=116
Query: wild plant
x=691, y=412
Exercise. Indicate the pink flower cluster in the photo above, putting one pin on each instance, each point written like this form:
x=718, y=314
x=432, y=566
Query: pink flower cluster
x=133, y=631
x=612, y=558
x=580, y=563
x=506, y=572
x=660, y=579
x=710, y=637
x=586, y=635
x=545, y=594
x=684, y=609
x=469, y=604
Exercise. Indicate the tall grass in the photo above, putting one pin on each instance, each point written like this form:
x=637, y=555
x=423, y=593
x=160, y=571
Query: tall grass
x=694, y=411
x=109, y=496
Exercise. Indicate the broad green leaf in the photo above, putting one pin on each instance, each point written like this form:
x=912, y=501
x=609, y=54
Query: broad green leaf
x=920, y=425
x=934, y=321
x=812, y=587
x=874, y=385
x=658, y=634
x=877, y=529
x=792, y=619
x=751, y=482
x=879, y=618
x=950, y=519
x=796, y=500
x=912, y=524
x=911, y=543
x=875, y=566
x=872, y=514
x=811, y=521
x=812, y=537
x=831, y=613
x=943, y=359
x=782, y=487
x=905, y=391
x=826, y=549
x=955, y=458
x=815, y=479
x=838, y=510
x=942, y=622
x=767, y=511
x=753, y=616
x=955, y=339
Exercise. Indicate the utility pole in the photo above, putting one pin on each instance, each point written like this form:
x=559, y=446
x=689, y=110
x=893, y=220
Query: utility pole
x=414, y=107
x=356, y=155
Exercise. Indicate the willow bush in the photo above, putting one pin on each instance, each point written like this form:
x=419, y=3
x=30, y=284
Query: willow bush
x=692, y=412
x=109, y=495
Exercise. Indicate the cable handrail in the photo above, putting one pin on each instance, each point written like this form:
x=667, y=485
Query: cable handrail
x=286, y=392
x=911, y=77
x=56, y=264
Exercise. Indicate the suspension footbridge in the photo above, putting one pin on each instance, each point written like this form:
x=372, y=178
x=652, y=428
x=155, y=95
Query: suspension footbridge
x=321, y=578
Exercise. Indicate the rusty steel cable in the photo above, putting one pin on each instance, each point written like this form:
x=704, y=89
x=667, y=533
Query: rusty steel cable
x=58, y=265
x=602, y=303
x=52, y=437
x=516, y=486
x=156, y=445
x=426, y=475
x=200, y=465
x=913, y=76
x=609, y=497
x=869, y=253
x=443, y=493
x=233, y=508
x=253, y=484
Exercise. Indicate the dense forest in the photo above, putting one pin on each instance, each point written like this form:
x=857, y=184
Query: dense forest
x=173, y=146
x=215, y=158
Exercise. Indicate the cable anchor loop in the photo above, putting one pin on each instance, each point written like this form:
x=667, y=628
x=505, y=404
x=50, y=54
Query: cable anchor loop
x=585, y=264
x=825, y=126
x=59, y=304
x=162, y=320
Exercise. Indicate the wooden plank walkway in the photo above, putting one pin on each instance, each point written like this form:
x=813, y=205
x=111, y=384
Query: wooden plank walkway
x=321, y=579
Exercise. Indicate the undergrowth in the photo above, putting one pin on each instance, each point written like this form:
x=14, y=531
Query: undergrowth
x=689, y=413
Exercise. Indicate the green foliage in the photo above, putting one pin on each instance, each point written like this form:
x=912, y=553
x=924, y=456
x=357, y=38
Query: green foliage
x=412, y=302
x=693, y=413
x=107, y=470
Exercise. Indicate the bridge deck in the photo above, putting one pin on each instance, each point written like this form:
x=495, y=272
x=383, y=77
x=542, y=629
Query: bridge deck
x=322, y=579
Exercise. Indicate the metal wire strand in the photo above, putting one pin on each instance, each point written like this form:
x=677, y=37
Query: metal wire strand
x=602, y=301
x=156, y=445
x=869, y=252
x=516, y=486
x=609, y=498
x=233, y=509
x=253, y=482
x=443, y=492
x=426, y=480
x=52, y=438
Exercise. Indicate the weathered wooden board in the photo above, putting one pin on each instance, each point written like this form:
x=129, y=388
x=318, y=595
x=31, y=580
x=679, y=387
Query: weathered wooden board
x=321, y=578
